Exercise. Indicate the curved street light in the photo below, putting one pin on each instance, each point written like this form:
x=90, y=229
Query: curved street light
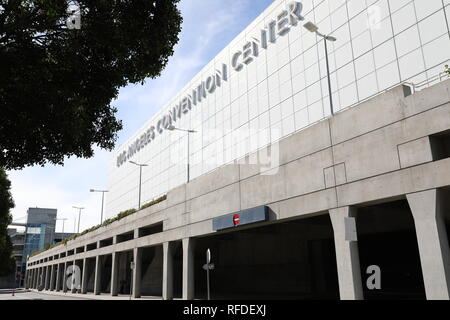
x=311, y=27
x=173, y=128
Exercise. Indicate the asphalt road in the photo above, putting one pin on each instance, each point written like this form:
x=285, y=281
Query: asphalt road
x=23, y=295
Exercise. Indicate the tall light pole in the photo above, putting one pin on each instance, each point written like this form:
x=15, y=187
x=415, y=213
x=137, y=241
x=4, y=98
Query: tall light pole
x=140, y=165
x=79, y=216
x=314, y=29
x=173, y=128
x=63, y=220
x=103, y=199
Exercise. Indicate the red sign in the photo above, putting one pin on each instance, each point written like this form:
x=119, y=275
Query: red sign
x=236, y=219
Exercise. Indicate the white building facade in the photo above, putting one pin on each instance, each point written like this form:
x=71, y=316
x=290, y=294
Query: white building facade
x=271, y=81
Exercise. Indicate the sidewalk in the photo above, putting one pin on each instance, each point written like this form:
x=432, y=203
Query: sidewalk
x=91, y=296
x=10, y=291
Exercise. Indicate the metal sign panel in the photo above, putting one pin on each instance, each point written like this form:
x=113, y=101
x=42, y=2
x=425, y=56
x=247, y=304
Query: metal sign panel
x=259, y=214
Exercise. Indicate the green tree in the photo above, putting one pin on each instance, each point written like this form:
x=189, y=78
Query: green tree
x=57, y=83
x=447, y=69
x=7, y=264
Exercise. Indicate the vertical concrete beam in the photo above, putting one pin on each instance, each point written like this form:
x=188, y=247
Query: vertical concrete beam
x=30, y=279
x=426, y=208
x=58, y=277
x=74, y=284
x=64, y=277
x=188, y=269
x=36, y=278
x=25, y=279
x=114, y=273
x=84, y=277
x=33, y=284
x=40, y=277
x=137, y=258
x=167, y=289
x=47, y=277
x=347, y=256
x=52, y=278
x=98, y=275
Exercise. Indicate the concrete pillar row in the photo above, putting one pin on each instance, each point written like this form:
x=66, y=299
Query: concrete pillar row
x=167, y=289
x=98, y=275
x=427, y=211
x=137, y=258
x=347, y=256
x=188, y=269
x=114, y=274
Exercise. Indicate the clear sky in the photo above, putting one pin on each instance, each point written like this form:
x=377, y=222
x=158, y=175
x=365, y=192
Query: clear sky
x=208, y=26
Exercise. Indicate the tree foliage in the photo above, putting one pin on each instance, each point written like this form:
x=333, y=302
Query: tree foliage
x=447, y=69
x=57, y=83
x=6, y=204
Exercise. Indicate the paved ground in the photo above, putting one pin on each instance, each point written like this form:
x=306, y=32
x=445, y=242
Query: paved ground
x=21, y=294
x=29, y=295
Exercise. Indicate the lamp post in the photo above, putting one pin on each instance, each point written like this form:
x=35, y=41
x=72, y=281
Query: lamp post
x=140, y=179
x=103, y=199
x=173, y=128
x=62, y=219
x=79, y=216
x=314, y=29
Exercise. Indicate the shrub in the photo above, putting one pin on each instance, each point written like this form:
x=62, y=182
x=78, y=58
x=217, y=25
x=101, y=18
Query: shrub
x=105, y=223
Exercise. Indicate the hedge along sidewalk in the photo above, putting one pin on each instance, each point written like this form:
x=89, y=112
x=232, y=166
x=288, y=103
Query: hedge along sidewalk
x=118, y=217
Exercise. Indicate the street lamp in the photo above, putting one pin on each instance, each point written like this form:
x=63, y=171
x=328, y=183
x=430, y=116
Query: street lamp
x=314, y=29
x=140, y=179
x=173, y=128
x=79, y=216
x=63, y=219
x=103, y=198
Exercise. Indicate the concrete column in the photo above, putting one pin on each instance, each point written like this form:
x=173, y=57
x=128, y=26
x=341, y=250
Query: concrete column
x=33, y=283
x=40, y=277
x=114, y=274
x=167, y=289
x=36, y=278
x=84, y=277
x=188, y=269
x=98, y=275
x=52, y=277
x=58, y=277
x=30, y=279
x=47, y=277
x=74, y=285
x=427, y=210
x=137, y=258
x=64, y=277
x=347, y=256
x=25, y=279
